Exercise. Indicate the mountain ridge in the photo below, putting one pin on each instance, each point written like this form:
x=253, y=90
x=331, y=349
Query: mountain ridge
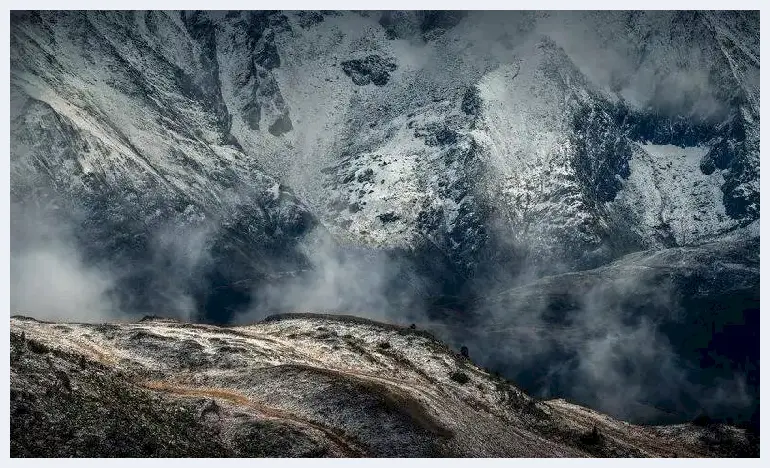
x=411, y=386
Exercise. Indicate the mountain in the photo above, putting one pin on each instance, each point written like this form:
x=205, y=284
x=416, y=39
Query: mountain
x=298, y=385
x=219, y=167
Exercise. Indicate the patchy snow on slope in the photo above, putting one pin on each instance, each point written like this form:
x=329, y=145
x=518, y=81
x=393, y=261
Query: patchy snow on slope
x=389, y=390
x=526, y=122
x=194, y=105
x=667, y=190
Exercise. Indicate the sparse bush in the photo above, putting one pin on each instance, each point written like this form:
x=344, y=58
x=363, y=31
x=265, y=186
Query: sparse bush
x=460, y=377
x=18, y=341
x=594, y=437
x=327, y=335
x=37, y=347
x=383, y=345
x=464, y=351
x=702, y=419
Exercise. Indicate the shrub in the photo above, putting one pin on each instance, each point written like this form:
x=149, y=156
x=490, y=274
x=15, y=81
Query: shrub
x=37, y=347
x=460, y=377
x=593, y=437
x=702, y=419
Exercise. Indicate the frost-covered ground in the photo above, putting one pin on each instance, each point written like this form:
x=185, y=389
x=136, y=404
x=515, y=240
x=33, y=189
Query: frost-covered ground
x=667, y=188
x=349, y=386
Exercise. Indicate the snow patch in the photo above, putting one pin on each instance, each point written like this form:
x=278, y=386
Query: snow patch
x=667, y=190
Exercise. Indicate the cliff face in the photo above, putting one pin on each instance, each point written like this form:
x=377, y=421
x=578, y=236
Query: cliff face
x=532, y=142
x=302, y=385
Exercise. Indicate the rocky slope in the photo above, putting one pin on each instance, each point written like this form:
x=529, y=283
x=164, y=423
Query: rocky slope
x=532, y=141
x=301, y=385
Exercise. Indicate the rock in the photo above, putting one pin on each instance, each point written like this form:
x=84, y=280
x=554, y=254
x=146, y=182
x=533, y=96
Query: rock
x=210, y=411
x=372, y=69
x=281, y=125
x=471, y=103
x=366, y=176
x=309, y=19
x=434, y=23
x=388, y=217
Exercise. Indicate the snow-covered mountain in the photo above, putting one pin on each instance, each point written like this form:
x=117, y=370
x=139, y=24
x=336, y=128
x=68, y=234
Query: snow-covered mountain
x=205, y=165
x=569, y=131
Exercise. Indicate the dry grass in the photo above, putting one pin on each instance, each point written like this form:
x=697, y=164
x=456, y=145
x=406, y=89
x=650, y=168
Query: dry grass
x=346, y=446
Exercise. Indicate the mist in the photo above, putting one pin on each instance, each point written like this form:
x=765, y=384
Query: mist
x=60, y=272
x=51, y=281
x=629, y=338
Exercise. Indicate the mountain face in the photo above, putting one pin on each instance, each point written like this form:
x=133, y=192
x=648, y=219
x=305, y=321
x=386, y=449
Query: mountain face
x=217, y=166
x=307, y=386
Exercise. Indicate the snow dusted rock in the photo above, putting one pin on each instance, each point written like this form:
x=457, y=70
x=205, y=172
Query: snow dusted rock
x=297, y=385
x=535, y=144
x=372, y=69
x=128, y=156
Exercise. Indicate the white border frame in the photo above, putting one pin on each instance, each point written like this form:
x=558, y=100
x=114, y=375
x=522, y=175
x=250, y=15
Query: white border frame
x=335, y=5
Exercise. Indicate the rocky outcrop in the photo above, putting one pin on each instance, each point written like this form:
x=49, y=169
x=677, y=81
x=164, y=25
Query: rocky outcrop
x=371, y=69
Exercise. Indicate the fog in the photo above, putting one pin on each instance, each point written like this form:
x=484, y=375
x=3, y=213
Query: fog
x=357, y=281
x=50, y=279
